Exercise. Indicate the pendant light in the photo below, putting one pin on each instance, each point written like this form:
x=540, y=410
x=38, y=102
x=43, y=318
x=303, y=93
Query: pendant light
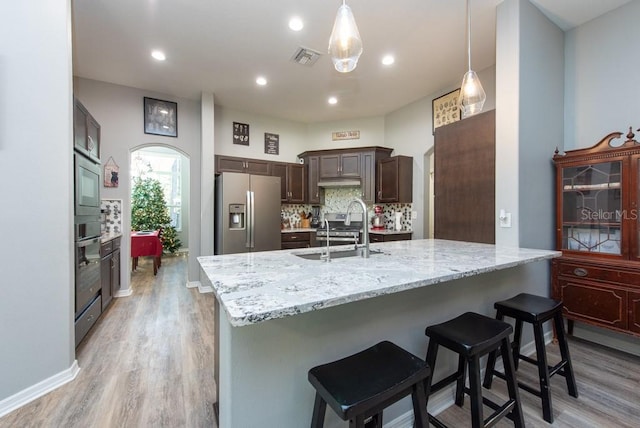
x=345, y=44
x=472, y=96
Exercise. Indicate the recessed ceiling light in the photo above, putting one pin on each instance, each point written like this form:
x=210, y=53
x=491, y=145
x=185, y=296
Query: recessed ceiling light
x=333, y=100
x=388, y=60
x=261, y=81
x=296, y=24
x=159, y=55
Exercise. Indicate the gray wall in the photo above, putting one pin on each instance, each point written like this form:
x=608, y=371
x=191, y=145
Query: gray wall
x=119, y=110
x=36, y=307
x=602, y=84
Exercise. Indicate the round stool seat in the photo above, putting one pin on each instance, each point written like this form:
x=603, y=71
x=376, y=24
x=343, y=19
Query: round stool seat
x=529, y=308
x=470, y=333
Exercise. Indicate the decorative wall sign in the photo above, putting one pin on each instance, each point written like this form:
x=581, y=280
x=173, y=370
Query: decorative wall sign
x=445, y=109
x=345, y=135
x=241, y=133
x=271, y=143
x=111, y=170
x=160, y=117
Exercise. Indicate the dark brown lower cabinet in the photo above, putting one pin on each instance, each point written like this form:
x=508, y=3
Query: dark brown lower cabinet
x=383, y=237
x=109, y=270
x=292, y=240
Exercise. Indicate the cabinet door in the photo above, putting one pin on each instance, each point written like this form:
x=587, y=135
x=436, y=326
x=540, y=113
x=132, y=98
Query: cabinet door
x=256, y=166
x=296, y=183
x=594, y=303
x=313, y=176
x=368, y=177
x=388, y=180
x=634, y=312
x=80, y=126
x=350, y=165
x=330, y=166
x=280, y=170
x=632, y=216
x=93, y=138
x=115, y=272
x=229, y=164
x=591, y=208
x=105, y=280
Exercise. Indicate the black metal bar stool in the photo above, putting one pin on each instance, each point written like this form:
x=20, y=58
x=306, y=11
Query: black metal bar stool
x=360, y=386
x=536, y=310
x=472, y=336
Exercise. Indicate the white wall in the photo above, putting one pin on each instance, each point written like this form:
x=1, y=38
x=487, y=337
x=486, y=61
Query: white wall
x=602, y=75
x=119, y=110
x=371, y=134
x=36, y=134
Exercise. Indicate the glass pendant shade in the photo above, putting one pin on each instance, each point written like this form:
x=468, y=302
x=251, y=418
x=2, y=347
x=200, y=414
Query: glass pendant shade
x=345, y=44
x=472, y=96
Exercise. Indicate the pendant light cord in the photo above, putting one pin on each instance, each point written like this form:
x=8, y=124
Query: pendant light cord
x=468, y=36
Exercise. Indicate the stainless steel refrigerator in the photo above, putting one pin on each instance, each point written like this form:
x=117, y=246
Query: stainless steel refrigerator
x=247, y=213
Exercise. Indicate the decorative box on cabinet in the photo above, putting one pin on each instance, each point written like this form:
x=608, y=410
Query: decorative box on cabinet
x=86, y=132
x=395, y=180
x=292, y=181
x=597, y=195
x=242, y=165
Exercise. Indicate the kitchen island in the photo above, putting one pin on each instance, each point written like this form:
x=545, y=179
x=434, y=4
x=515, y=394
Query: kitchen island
x=280, y=314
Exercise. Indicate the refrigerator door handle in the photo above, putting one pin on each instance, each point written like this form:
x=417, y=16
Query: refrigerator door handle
x=252, y=207
x=249, y=227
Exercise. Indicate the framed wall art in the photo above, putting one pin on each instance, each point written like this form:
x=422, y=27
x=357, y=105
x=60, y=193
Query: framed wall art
x=160, y=117
x=445, y=110
x=111, y=170
x=241, y=133
x=271, y=143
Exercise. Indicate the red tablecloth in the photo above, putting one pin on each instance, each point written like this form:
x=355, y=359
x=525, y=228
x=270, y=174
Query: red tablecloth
x=146, y=244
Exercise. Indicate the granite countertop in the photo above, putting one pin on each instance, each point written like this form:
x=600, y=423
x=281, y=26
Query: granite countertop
x=256, y=287
x=297, y=229
x=109, y=236
x=388, y=231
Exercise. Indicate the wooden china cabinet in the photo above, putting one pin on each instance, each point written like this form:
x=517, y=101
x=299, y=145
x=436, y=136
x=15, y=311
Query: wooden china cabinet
x=598, y=231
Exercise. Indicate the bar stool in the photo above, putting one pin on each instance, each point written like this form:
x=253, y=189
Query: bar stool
x=535, y=310
x=472, y=336
x=362, y=385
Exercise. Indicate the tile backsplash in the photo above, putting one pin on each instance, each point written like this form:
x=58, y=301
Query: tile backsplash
x=111, y=216
x=336, y=200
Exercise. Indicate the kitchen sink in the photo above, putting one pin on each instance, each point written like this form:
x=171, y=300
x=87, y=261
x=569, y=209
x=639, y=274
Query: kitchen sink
x=338, y=254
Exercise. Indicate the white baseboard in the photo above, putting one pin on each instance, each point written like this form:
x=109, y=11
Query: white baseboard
x=446, y=398
x=205, y=288
x=25, y=396
x=193, y=284
x=124, y=293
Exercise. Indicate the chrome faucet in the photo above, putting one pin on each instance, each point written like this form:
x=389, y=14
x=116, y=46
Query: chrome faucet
x=326, y=257
x=365, y=224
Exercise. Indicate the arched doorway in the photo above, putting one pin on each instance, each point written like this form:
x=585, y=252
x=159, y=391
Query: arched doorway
x=171, y=168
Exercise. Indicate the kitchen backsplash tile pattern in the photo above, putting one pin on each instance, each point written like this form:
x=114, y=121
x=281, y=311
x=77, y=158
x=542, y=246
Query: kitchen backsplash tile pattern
x=111, y=215
x=337, y=200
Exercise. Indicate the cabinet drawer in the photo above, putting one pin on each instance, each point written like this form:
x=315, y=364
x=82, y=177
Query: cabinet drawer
x=88, y=319
x=106, y=248
x=296, y=237
x=600, y=273
x=594, y=302
x=294, y=245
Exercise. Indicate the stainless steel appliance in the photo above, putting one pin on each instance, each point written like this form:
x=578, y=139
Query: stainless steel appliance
x=340, y=233
x=247, y=213
x=87, y=186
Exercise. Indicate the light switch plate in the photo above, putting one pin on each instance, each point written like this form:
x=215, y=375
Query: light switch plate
x=505, y=221
x=414, y=215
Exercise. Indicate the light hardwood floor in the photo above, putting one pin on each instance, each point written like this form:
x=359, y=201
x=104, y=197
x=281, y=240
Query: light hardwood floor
x=149, y=363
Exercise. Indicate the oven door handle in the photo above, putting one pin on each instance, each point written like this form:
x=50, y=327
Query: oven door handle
x=87, y=242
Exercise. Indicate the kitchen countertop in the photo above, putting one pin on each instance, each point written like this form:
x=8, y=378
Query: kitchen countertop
x=297, y=229
x=256, y=287
x=388, y=231
x=109, y=237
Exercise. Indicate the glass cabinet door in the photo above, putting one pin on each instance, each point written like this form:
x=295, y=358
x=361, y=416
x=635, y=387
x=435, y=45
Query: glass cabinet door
x=592, y=208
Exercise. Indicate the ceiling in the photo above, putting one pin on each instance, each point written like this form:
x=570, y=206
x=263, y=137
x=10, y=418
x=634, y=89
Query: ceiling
x=221, y=46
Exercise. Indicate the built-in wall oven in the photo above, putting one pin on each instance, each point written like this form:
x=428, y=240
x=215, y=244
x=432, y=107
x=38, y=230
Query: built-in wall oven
x=87, y=270
x=87, y=186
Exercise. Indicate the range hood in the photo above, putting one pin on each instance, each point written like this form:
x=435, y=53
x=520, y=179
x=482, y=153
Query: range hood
x=347, y=182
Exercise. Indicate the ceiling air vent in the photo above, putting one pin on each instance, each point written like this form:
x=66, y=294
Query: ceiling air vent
x=305, y=56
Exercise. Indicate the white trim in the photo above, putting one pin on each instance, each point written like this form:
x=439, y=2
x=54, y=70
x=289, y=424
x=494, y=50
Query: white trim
x=205, y=288
x=29, y=394
x=193, y=284
x=124, y=293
